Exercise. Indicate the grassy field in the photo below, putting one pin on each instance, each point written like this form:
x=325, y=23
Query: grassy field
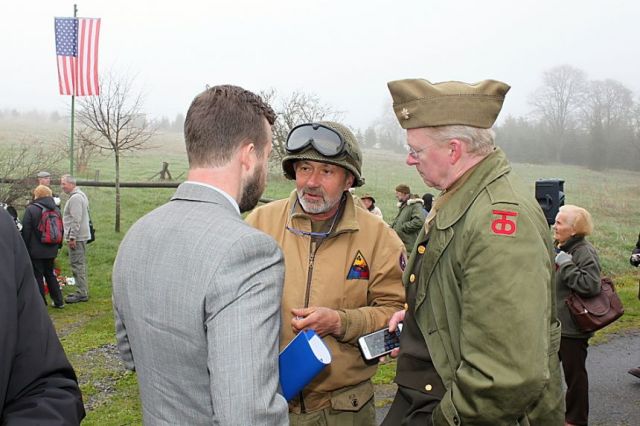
x=86, y=329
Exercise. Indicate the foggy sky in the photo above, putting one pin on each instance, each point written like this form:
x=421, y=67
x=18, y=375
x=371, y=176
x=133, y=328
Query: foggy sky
x=344, y=51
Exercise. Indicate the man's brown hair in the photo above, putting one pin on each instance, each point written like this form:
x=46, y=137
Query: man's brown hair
x=219, y=119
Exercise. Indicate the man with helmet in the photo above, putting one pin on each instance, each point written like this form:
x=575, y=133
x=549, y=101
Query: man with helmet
x=343, y=269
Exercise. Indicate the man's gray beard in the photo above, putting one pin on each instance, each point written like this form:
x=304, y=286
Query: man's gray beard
x=316, y=208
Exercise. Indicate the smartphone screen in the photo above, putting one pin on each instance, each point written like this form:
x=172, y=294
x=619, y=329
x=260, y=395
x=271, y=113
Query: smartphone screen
x=379, y=342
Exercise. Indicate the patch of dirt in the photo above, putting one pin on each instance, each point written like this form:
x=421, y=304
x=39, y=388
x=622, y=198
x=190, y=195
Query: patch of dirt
x=107, y=358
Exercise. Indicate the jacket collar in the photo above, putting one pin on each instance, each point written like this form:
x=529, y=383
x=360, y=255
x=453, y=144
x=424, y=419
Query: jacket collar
x=193, y=192
x=301, y=220
x=481, y=175
x=571, y=243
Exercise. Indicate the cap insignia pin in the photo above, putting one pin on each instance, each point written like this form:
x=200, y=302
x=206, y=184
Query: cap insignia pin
x=405, y=113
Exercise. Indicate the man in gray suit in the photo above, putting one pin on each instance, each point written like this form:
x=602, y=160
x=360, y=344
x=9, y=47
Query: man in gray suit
x=196, y=291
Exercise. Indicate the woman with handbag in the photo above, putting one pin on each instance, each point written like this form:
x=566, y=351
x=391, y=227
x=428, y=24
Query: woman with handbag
x=578, y=270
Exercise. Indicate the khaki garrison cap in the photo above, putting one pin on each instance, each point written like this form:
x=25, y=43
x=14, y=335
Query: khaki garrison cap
x=420, y=103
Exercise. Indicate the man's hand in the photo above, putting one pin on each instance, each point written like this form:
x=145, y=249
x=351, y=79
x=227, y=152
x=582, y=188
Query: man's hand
x=396, y=318
x=72, y=244
x=322, y=320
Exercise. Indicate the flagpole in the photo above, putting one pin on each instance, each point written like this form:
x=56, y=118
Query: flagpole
x=73, y=99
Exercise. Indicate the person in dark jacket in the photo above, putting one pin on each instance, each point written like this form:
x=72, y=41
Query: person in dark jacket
x=42, y=255
x=427, y=199
x=578, y=270
x=37, y=384
x=635, y=261
x=410, y=218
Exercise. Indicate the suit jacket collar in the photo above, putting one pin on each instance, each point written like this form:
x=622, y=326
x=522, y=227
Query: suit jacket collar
x=188, y=191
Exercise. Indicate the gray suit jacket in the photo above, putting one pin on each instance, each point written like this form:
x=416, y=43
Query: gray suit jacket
x=196, y=294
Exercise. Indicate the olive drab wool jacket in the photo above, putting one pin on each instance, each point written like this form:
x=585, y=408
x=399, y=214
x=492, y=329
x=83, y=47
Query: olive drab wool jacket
x=357, y=271
x=485, y=304
x=581, y=275
x=409, y=221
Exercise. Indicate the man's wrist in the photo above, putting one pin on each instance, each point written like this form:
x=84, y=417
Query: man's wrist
x=342, y=319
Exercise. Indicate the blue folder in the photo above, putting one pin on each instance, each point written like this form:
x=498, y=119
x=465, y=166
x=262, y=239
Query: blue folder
x=300, y=361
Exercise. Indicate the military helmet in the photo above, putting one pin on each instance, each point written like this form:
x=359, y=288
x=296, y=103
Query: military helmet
x=349, y=156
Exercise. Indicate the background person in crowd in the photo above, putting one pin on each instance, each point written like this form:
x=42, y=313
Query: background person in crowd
x=578, y=270
x=343, y=269
x=42, y=254
x=410, y=218
x=427, y=200
x=44, y=178
x=76, y=233
x=37, y=384
x=635, y=261
x=370, y=204
x=196, y=291
x=480, y=338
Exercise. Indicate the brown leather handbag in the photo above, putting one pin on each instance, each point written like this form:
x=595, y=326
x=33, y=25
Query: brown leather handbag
x=593, y=313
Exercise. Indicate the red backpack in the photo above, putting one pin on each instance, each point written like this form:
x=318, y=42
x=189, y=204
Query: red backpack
x=50, y=226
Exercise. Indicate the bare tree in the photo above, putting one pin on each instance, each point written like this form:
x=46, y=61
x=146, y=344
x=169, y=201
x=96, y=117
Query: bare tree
x=86, y=147
x=607, y=111
x=116, y=118
x=389, y=133
x=297, y=108
x=21, y=163
x=635, y=126
x=557, y=101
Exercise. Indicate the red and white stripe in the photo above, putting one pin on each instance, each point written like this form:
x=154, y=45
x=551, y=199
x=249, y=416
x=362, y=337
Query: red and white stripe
x=81, y=72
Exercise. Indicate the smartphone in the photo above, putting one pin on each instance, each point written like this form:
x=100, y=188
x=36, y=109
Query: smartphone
x=379, y=343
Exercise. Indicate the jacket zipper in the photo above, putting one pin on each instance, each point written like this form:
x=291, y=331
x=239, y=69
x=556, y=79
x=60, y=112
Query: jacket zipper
x=313, y=248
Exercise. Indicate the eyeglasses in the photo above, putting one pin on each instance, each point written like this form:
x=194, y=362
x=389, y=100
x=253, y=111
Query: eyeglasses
x=413, y=153
x=325, y=140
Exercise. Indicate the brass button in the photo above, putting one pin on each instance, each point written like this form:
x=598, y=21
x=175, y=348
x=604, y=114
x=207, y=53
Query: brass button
x=412, y=278
x=428, y=388
x=421, y=249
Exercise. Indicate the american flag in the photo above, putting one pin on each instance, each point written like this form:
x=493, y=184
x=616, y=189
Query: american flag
x=77, y=51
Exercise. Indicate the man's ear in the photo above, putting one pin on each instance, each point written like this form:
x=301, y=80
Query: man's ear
x=456, y=147
x=247, y=155
x=349, y=180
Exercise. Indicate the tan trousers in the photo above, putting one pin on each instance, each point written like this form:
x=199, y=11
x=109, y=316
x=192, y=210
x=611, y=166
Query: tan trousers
x=366, y=416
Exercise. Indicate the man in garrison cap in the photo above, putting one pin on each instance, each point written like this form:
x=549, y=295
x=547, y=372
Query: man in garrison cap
x=480, y=339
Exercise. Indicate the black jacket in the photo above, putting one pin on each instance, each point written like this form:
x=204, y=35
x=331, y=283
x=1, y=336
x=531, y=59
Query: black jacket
x=634, y=260
x=37, y=383
x=30, y=234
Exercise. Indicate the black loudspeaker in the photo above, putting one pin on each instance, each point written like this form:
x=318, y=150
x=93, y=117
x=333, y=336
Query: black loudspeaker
x=550, y=196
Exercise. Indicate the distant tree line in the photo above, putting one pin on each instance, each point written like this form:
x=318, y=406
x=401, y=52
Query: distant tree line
x=574, y=120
